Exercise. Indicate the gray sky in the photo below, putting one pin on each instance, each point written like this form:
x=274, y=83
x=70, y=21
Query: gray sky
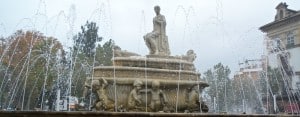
x=217, y=30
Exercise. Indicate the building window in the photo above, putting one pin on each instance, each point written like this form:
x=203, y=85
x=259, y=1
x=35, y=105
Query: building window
x=298, y=85
x=290, y=42
x=280, y=14
x=278, y=43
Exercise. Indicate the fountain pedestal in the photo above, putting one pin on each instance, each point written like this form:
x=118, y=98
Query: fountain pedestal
x=179, y=85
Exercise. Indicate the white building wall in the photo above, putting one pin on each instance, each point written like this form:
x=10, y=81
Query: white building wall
x=295, y=58
x=295, y=64
x=273, y=60
x=295, y=82
x=294, y=61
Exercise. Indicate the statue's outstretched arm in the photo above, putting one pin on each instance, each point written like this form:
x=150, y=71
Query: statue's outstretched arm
x=164, y=97
x=104, y=82
x=145, y=91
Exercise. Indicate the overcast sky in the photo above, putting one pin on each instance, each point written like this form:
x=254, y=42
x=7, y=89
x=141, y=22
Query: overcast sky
x=217, y=30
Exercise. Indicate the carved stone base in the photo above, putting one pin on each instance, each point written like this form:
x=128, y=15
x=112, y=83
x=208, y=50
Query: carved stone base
x=166, y=83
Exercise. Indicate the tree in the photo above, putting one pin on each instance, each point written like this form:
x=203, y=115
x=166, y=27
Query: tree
x=219, y=86
x=247, y=91
x=86, y=55
x=85, y=41
x=30, y=59
x=84, y=65
x=276, y=80
x=253, y=92
x=105, y=53
x=82, y=55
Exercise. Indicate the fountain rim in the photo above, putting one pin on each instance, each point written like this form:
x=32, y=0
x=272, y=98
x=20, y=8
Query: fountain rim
x=126, y=114
x=144, y=69
x=150, y=59
x=129, y=81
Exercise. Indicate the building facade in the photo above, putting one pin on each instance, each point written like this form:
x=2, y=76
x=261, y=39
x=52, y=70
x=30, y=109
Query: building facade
x=283, y=43
x=248, y=86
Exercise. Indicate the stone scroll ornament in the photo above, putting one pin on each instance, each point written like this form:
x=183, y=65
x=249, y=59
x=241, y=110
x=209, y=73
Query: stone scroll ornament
x=157, y=40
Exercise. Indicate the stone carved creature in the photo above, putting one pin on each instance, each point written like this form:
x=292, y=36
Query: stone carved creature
x=194, y=101
x=118, y=52
x=158, y=97
x=190, y=56
x=134, y=98
x=157, y=41
x=102, y=103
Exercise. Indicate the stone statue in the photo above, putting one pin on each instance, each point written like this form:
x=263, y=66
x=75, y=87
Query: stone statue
x=87, y=93
x=103, y=103
x=118, y=52
x=190, y=56
x=157, y=40
x=86, y=89
x=158, y=97
x=194, y=101
x=134, y=98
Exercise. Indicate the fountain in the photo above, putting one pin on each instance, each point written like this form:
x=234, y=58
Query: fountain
x=157, y=82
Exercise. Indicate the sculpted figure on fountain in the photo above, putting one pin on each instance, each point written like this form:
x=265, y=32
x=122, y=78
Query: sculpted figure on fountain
x=194, y=102
x=157, y=40
x=118, y=52
x=159, y=99
x=102, y=103
x=134, y=98
x=148, y=84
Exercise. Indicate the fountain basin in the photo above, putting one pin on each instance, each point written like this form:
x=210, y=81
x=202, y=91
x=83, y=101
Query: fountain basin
x=142, y=73
x=123, y=114
x=159, y=62
x=177, y=90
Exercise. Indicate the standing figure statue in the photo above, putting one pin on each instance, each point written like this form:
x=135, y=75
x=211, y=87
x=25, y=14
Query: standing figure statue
x=157, y=40
x=158, y=98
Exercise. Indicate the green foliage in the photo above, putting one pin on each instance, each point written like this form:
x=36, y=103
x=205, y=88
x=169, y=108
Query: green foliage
x=84, y=65
x=105, y=53
x=275, y=80
x=85, y=41
x=247, y=89
x=40, y=61
x=30, y=57
x=86, y=55
x=219, y=86
x=254, y=91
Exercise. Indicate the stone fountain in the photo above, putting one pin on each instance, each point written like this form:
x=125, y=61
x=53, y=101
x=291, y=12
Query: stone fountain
x=157, y=82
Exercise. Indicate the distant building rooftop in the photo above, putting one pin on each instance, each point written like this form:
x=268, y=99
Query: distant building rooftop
x=282, y=17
